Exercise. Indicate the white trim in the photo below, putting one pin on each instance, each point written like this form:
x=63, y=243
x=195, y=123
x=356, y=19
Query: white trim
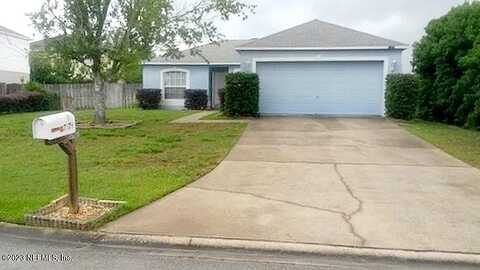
x=385, y=60
x=321, y=48
x=189, y=64
x=162, y=85
x=16, y=35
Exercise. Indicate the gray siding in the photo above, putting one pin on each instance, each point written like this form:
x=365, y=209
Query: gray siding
x=199, y=78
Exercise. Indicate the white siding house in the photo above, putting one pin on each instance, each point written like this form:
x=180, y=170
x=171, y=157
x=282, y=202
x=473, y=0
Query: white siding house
x=14, y=57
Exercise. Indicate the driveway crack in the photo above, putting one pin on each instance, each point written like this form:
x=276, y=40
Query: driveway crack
x=348, y=216
x=345, y=216
x=270, y=199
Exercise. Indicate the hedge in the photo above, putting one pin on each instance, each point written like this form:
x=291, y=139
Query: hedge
x=401, y=96
x=24, y=101
x=149, y=99
x=241, y=94
x=196, y=99
x=54, y=101
x=447, y=61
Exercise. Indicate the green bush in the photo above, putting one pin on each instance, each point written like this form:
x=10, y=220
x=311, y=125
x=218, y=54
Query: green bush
x=33, y=87
x=24, y=101
x=149, y=99
x=473, y=120
x=53, y=102
x=447, y=60
x=241, y=94
x=401, y=96
x=196, y=99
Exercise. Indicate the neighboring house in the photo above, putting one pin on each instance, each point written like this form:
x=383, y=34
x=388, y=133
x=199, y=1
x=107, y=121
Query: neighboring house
x=14, y=65
x=313, y=68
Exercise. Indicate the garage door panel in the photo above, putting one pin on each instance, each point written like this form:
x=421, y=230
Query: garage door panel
x=321, y=88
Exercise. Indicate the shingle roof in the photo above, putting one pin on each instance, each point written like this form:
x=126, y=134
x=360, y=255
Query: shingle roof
x=313, y=34
x=222, y=52
x=318, y=34
x=7, y=31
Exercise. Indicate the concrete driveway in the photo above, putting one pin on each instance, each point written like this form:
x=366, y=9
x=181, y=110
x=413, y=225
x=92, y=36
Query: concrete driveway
x=333, y=181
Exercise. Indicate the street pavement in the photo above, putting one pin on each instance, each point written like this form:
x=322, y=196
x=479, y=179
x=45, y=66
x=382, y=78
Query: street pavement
x=44, y=251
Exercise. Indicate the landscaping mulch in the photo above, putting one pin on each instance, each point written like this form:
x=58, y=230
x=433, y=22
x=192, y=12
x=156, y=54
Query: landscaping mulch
x=86, y=212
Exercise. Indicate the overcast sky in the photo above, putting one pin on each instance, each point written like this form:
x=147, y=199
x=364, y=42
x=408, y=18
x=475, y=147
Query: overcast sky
x=401, y=20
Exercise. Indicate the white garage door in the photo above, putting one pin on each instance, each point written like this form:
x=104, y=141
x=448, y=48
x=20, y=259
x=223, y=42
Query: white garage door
x=325, y=88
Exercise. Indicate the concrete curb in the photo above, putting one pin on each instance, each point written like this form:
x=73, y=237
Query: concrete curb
x=322, y=250
x=124, y=239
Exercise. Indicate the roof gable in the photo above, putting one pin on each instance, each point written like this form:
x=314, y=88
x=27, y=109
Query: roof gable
x=318, y=34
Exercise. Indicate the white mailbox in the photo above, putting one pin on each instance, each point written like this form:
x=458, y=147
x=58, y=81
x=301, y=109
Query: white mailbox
x=54, y=126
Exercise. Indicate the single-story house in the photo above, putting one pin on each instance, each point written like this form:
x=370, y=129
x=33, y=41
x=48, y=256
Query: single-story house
x=314, y=68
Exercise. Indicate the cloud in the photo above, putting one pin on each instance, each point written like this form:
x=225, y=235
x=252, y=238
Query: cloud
x=402, y=20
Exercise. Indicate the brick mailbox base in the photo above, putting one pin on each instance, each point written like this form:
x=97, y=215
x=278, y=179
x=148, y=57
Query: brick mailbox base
x=45, y=217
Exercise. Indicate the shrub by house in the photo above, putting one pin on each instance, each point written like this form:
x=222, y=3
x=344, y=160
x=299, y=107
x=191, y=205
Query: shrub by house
x=447, y=60
x=196, y=99
x=149, y=99
x=241, y=94
x=401, y=96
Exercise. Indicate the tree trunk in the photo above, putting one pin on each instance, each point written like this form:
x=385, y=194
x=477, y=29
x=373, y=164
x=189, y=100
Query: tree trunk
x=100, y=100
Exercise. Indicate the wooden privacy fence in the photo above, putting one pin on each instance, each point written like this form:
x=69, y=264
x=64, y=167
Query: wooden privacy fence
x=82, y=96
x=9, y=88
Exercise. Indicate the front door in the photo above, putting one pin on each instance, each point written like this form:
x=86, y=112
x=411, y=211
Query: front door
x=218, y=81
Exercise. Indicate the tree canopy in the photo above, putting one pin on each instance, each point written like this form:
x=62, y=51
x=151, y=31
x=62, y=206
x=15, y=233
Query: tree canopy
x=447, y=60
x=48, y=68
x=111, y=37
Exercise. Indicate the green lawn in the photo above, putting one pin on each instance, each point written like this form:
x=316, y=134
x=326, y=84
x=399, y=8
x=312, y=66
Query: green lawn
x=137, y=165
x=461, y=143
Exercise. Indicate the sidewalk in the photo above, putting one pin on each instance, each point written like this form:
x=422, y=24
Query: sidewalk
x=197, y=118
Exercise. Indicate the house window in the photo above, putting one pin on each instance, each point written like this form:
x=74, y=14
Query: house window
x=175, y=84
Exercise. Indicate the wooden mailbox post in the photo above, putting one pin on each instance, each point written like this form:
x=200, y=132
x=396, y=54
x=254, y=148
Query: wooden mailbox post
x=61, y=129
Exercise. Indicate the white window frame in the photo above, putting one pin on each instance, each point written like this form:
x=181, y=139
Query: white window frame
x=162, y=82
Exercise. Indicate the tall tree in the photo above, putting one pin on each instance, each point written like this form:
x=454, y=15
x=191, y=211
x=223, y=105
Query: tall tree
x=110, y=36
